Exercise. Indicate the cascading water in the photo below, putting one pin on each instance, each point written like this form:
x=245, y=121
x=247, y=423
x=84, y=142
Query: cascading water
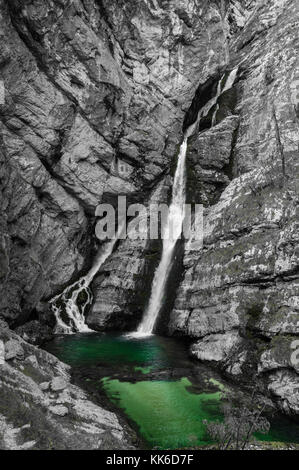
x=71, y=305
x=66, y=304
x=227, y=86
x=215, y=100
x=176, y=218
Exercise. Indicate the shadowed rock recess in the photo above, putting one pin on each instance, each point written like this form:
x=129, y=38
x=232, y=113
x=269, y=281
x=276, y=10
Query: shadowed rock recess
x=89, y=83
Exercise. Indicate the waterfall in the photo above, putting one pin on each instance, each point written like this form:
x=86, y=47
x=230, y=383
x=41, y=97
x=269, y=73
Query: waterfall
x=72, y=303
x=172, y=233
x=215, y=101
x=176, y=218
x=67, y=304
x=70, y=306
x=228, y=85
x=230, y=80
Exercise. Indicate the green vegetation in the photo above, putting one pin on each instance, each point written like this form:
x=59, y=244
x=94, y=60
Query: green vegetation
x=240, y=422
x=143, y=370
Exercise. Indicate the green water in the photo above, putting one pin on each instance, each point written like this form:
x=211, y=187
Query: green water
x=109, y=349
x=165, y=395
x=167, y=413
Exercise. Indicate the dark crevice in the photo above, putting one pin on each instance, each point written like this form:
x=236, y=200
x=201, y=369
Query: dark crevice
x=279, y=142
x=103, y=12
x=229, y=168
x=170, y=294
x=248, y=41
x=204, y=93
x=58, y=149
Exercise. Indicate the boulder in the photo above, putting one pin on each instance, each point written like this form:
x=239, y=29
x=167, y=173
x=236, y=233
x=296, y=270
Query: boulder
x=13, y=350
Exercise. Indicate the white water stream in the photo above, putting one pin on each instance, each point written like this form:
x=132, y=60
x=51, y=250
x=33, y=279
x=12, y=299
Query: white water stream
x=68, y=303
x=172, y=233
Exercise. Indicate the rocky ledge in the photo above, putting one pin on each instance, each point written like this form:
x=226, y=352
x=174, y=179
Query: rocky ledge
x=41, y=409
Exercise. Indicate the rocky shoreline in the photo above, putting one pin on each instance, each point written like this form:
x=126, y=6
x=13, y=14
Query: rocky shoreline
x=40, y=409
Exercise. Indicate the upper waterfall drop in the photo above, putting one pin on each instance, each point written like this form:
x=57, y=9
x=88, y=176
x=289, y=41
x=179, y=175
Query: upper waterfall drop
x=228, y=84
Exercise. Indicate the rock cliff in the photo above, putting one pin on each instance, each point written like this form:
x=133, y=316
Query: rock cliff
x=87, y=85
x=239, y=295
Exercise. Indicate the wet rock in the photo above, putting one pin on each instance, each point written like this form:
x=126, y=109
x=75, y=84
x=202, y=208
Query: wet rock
x=87, y=86
x=283, y=385
x=32, y=361
x=279, y=355
x=216, y=348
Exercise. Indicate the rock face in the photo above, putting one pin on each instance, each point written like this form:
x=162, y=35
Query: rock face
x=96, y=98
x=41, y=409
x=239, y=295
x=88, y=85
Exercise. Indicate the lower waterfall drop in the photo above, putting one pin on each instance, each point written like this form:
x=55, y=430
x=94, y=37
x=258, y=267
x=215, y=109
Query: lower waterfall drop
x=171, y=235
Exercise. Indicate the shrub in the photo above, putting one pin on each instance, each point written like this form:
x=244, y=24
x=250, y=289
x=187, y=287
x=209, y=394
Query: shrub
x=238, y=426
